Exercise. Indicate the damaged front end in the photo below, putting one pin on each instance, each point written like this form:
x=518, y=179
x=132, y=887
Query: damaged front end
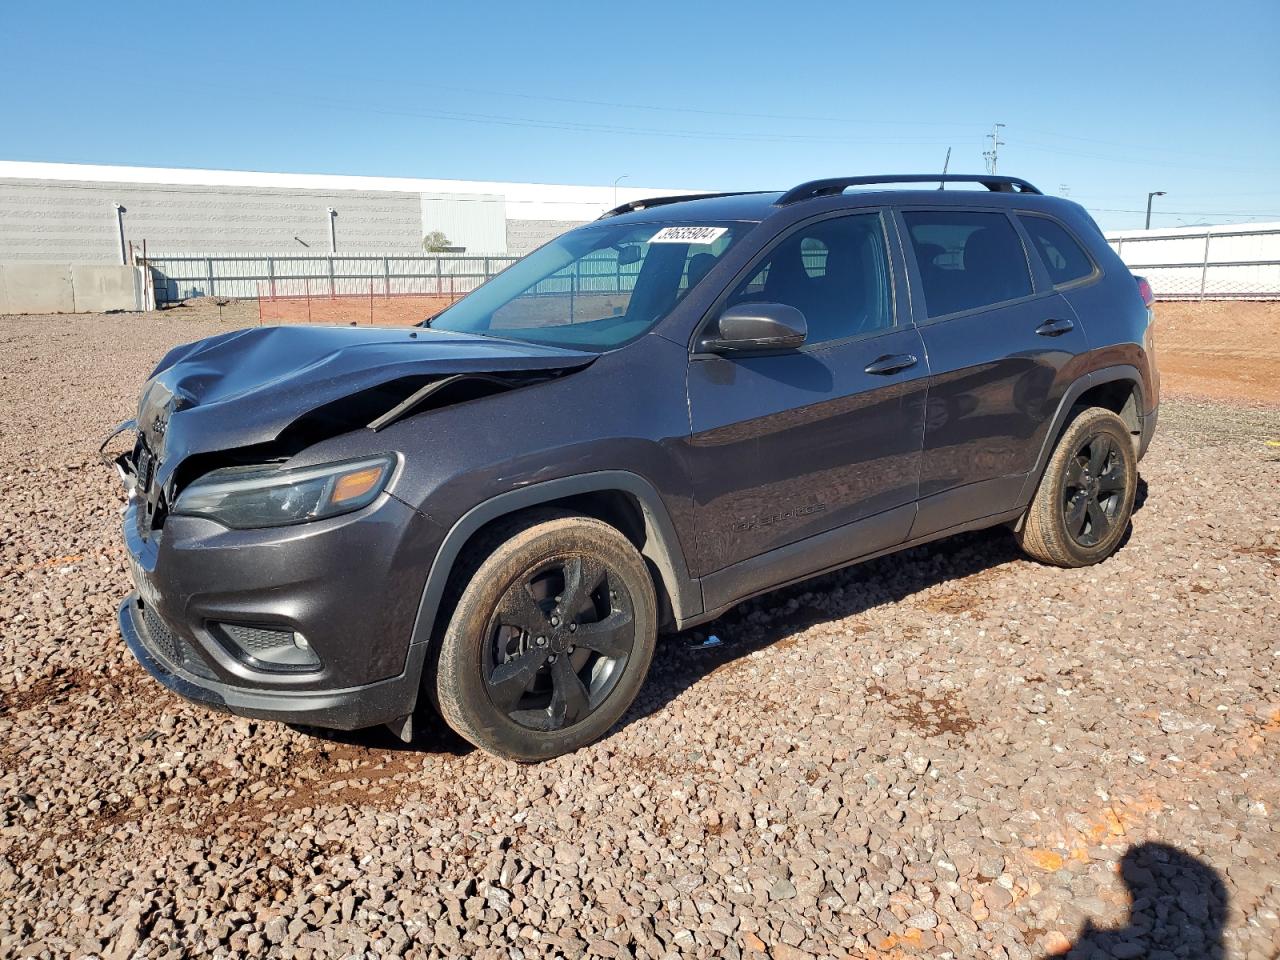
x=257, y=397
x=237, y=537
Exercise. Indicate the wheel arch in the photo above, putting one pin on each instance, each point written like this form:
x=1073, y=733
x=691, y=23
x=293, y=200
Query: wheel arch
x=1117, y=388
x=623, y=499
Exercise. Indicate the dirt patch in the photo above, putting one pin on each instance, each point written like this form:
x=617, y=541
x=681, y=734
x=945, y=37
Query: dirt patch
x=46, y=690
x=1227, y=350
x=928, y=716
x=400, y=311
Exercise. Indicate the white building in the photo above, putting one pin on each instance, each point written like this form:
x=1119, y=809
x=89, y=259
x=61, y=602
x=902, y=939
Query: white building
x=90, y=213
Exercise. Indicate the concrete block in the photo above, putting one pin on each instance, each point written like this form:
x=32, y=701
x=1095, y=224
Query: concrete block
x=36, y=288
x=98, y=289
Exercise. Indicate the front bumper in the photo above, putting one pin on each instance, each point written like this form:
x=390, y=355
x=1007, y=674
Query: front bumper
x=351, y=708
x=350, y=585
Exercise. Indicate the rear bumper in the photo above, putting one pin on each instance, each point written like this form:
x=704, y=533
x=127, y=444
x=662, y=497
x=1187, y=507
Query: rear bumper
x=349, y=708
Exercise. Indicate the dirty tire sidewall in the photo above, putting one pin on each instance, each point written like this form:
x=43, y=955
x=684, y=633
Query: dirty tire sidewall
x=460, y=686
x=1044, y=534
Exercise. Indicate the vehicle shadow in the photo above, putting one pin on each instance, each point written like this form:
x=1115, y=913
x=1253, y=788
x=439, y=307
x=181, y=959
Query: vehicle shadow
x=430, y=735
x=683, y=659
x=1178, y=908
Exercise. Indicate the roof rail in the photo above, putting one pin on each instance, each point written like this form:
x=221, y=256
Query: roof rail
x=661, y=201
x=835, y=185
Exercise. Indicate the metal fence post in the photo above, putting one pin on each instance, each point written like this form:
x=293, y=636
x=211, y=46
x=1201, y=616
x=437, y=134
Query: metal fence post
x=573, y=288
x=386, y=276
x=208, y=266
x=271, y=276
x=1204, y=268
x=332, y=291
x=439, y=279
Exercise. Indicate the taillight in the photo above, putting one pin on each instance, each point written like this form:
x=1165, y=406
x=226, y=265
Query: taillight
x=1144, y=288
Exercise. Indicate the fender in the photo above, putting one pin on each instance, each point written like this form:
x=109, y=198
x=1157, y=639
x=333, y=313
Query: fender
x=662, y=546
x=1073, y=393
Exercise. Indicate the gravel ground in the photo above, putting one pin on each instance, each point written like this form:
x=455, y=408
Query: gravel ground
x=952, y=752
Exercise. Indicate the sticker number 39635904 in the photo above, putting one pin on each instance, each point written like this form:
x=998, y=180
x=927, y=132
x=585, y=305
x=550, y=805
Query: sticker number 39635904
x=688, y=235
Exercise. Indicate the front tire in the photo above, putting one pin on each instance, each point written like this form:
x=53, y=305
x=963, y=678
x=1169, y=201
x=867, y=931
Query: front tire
x=550, y=640
x=1082, y=507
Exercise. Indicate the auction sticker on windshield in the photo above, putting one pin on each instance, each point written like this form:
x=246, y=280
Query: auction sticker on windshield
x=688, y=234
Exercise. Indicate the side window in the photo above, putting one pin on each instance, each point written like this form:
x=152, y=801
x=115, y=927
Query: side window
x=835, y=272
x=967, y=259
x=1062, y=255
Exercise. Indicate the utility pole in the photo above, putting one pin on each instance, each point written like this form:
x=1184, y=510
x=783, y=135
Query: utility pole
x=992, y=156
x=1153, y=193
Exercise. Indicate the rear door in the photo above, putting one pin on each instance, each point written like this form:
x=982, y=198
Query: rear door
x=1003, y=346
x=789, y=446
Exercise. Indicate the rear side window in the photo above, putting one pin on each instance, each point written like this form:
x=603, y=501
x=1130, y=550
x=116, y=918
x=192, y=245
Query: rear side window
x=1063, y=257
x=835, y=271
x=967, y=259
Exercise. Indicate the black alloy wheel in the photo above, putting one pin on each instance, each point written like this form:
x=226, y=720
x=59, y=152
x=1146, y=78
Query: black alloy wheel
x=1080, y=511
x=551, y=636
x=1093, y=494
x=559, y=640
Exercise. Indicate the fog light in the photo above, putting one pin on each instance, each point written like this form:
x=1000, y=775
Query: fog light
x=268, y=648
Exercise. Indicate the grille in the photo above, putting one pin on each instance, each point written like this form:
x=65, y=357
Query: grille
x=171, y=646
x=258, y=639
x=162, y=637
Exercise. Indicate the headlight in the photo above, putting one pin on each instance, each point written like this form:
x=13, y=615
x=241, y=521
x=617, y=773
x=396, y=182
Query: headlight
x=245, y=497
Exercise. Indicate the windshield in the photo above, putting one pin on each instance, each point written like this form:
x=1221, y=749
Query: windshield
x=596, y=287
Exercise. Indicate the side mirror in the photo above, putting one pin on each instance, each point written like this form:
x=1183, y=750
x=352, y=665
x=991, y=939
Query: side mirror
x=749, y=327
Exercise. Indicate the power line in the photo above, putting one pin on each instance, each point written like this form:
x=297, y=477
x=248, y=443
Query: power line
x=585, y=127
x=702, y=112
x=220, y=86
x=1034, y=146
x=1188, y=213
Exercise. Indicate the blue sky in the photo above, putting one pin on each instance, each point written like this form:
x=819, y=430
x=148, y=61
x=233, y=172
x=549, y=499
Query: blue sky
x=1109, y=100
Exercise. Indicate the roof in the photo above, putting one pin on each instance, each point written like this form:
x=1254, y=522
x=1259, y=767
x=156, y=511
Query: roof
x=754, y=207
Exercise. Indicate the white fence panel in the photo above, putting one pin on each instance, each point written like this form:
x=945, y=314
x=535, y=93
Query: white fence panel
x=1224, y=263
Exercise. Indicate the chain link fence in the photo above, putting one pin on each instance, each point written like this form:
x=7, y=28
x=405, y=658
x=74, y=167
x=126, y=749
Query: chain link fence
x=1215, y=264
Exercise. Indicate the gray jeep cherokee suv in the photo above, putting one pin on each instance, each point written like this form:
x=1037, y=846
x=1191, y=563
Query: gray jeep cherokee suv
x=688, y=402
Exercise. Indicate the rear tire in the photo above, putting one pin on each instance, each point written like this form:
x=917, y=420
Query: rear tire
x=1082, y=507
x=550, y=640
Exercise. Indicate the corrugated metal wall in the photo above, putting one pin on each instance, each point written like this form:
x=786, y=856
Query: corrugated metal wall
x=476, y=222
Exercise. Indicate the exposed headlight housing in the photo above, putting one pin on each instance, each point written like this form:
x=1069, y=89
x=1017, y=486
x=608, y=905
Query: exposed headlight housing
x=248, y=497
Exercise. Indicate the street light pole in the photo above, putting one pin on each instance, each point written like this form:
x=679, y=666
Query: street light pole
x=1153, y=193
x=615, y=187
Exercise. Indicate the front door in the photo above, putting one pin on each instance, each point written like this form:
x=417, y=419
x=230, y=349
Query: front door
x=795, y=445
x=1001, y=347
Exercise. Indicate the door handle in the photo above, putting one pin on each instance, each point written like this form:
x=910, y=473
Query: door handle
x=891, y=363
x=1055, y=328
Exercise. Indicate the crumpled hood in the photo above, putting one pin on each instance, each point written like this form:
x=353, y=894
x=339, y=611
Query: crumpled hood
x=247, y=386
